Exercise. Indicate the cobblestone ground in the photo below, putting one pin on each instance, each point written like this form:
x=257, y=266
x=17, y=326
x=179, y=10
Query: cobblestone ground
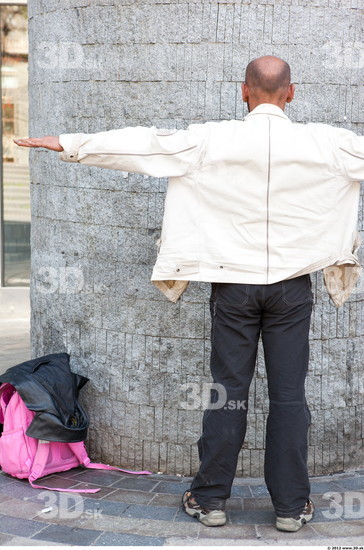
x=145, y=510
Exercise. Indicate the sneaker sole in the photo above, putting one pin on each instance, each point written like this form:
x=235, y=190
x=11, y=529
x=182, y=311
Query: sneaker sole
x=218, y=518
x=291, y=525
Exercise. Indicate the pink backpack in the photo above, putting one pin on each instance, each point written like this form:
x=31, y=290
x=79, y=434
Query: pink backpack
x=26, y=457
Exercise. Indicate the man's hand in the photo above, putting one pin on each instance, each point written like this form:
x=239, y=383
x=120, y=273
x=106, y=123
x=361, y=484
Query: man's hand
x=48, y=142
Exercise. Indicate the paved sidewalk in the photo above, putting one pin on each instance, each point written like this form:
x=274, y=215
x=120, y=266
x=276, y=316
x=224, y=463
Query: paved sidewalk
x=145, y=510
x=14, y=342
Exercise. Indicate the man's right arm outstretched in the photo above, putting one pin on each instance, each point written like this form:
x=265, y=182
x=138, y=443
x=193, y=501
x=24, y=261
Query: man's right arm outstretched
x=150, y=151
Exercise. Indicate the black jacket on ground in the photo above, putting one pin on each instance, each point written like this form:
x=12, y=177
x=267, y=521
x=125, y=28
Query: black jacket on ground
x=49, y=388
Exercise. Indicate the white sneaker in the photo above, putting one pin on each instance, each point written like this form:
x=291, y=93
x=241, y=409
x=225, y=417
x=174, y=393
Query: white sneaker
x=294, y=524
x=211, y=518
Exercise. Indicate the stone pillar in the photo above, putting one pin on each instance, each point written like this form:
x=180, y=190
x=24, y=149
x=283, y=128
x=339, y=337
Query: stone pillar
x=98, y=65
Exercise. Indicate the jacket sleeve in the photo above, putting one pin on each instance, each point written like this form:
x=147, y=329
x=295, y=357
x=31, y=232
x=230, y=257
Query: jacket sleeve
x=150, y=151
x=351, y=154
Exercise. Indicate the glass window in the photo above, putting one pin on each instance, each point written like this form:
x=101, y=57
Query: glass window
x=15, y=211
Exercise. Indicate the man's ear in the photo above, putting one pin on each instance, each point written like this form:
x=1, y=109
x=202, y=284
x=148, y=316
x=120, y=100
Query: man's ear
x=291, y=91
x=245, y=92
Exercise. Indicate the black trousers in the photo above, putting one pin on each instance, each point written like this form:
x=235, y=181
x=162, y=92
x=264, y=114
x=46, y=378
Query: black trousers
x=281, y=313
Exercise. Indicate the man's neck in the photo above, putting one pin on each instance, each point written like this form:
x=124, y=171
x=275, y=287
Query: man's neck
x=253, y=102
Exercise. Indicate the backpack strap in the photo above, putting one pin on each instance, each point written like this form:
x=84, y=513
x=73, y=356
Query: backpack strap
x=80, y=451
x=39, y=463
x=98, y=466
x=6, y=391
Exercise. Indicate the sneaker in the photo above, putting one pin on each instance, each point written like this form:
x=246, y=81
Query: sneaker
x=294, y=524
x=211, y=518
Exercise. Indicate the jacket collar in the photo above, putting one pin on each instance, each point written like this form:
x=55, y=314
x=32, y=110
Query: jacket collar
x=267, y=109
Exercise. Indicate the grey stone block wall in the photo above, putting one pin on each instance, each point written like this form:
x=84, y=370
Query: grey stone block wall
x=98, y=65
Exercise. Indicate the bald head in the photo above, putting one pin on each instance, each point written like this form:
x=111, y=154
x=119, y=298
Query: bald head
x=268, y=74
x=267, y=79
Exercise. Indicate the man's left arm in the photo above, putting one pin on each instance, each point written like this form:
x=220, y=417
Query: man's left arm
x=351, y=152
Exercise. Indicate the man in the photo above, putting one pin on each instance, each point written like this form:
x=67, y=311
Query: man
x=253, y=207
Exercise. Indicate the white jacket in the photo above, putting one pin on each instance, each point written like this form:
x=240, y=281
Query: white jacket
x=252, y=201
